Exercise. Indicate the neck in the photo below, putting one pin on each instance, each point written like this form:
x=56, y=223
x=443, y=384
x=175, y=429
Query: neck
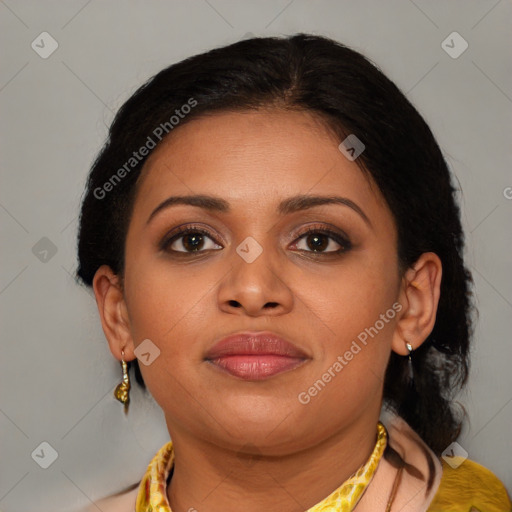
x=208, y=477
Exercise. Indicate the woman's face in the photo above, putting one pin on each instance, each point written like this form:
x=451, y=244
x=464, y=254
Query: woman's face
x=254, y=271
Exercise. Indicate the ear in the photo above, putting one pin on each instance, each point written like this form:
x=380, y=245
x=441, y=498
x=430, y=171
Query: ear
x=419, y=295
x=113, y=312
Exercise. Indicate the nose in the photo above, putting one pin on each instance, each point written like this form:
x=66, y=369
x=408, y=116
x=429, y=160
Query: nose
x=255, y=288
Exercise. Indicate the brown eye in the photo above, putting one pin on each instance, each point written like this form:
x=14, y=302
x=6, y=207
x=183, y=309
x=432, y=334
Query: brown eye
x=317, y=242
x=190, y=240
x=322, y=241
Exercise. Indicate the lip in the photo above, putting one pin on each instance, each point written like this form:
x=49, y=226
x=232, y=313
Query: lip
x=255, y=355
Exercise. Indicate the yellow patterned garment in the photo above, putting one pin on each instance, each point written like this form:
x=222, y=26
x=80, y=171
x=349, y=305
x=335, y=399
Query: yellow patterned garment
x=152, y=496
x=469, y=487
x=465, y=486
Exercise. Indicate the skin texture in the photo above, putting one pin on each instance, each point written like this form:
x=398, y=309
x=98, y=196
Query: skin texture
x=254, y=442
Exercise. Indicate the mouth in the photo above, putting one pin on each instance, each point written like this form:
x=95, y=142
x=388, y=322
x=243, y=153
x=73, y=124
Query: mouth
x=255, y=356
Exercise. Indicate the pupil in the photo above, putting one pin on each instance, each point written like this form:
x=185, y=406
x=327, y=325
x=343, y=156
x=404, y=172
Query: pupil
x=193, y=242
x=317, y=244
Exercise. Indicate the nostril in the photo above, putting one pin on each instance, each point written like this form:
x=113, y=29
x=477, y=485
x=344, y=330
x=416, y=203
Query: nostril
x=234, y=303
x=271, y=304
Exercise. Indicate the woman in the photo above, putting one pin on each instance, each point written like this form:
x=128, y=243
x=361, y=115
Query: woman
x=272, y=231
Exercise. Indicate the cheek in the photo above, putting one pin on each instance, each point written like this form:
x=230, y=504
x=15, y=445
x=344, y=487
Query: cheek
x=163, y=302
x=173, y=309
x=168, y=309
x=354, y=313
x=352, y=298
x=357, y=320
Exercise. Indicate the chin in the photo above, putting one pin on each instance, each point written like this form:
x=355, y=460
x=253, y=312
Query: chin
x=260, y=421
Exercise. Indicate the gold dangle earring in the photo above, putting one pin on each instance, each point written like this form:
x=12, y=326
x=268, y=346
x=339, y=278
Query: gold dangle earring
x=122, y=391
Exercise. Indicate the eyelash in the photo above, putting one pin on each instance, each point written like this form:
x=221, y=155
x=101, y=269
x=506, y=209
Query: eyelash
x=333, y=235
x=191, y=229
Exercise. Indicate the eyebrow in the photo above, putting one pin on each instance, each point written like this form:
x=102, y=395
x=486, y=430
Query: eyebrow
x=287, y=206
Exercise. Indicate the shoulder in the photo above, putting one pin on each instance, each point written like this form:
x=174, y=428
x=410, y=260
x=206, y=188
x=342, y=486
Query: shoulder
x=467, y=485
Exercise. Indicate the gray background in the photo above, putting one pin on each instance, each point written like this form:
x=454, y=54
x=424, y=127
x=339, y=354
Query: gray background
x=57, y=375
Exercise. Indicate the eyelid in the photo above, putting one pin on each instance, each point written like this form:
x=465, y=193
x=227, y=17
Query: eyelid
x=335, y=234
x=180, y=231
x=323, y=227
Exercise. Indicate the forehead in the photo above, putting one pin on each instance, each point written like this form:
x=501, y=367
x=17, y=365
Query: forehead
x=251, y=158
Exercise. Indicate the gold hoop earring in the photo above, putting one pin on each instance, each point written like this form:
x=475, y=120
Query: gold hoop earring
x=122, y=391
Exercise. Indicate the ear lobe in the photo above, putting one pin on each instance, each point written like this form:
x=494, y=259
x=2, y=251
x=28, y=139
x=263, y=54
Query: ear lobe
x=113, y=312
x=419, y=294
